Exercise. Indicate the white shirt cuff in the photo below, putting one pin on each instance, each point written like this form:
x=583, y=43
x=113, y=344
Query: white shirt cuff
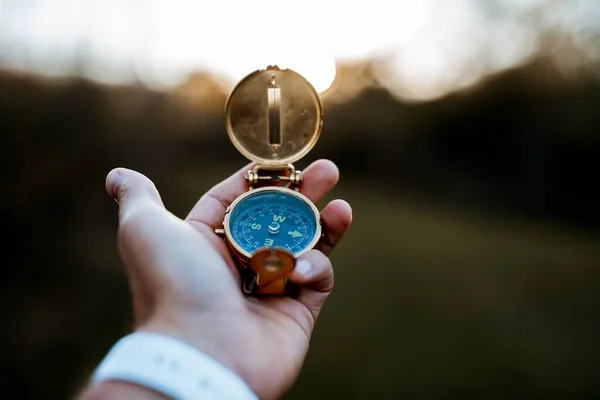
x=170, y=367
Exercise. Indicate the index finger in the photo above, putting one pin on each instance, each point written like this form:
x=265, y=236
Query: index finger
x=317, y=180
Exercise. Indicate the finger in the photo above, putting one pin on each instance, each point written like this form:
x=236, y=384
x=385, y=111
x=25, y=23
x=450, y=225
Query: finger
x=314, y=274
x=162, y=253
x=317, y=180
x=129, y=187
x=132, y=190
x=336, y=218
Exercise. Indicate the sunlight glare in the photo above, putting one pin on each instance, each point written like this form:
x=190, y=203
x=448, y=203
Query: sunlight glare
x=420, y=49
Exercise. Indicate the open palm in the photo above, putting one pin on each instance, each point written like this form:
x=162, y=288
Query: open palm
x=185, y=283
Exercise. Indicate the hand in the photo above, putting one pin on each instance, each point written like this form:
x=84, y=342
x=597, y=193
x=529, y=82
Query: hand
x=185, y=284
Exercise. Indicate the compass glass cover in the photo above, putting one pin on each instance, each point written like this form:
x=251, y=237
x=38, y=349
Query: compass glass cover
x=273, y=219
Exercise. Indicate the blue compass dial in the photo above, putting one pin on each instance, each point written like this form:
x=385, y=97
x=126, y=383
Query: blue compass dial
x=273, y=219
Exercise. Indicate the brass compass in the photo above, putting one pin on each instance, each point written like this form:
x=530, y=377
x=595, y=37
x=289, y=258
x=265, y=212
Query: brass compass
x=273, y=117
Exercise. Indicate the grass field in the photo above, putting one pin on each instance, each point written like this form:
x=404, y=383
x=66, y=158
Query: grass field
x=434, y=303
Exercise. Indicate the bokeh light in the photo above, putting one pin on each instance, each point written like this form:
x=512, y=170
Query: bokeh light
x=423, y=49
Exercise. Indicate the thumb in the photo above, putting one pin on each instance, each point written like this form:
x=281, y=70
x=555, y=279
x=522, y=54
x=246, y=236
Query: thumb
x=138, y=202
x=147, y=232
x=128, y=187
x=168, y=261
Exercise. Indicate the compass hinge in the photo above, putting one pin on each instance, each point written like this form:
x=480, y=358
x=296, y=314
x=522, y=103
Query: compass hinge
x=266, y=175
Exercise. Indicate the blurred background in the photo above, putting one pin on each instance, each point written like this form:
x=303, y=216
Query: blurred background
x=467, y=133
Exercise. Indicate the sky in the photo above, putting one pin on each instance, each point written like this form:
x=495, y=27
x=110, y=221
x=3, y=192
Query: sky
x=424, y=48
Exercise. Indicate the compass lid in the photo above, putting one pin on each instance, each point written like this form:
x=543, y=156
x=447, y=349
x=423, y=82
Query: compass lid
x=274, y=116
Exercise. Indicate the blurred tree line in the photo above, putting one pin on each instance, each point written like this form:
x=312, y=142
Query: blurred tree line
x=480, y=278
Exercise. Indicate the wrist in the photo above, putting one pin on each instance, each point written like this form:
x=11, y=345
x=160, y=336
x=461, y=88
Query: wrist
x=238, y=342
x=212, y=335
x=110, y=390
x=159, y=363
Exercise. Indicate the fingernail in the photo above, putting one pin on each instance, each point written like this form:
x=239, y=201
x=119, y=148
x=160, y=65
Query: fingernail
x=303, y=267
x=114, y=180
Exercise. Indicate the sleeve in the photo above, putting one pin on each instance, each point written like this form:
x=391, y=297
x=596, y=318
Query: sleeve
x=171, y=367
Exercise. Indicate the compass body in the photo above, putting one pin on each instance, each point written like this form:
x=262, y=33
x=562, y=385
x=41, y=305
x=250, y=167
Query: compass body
x=272, y=217
x=273, y=117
